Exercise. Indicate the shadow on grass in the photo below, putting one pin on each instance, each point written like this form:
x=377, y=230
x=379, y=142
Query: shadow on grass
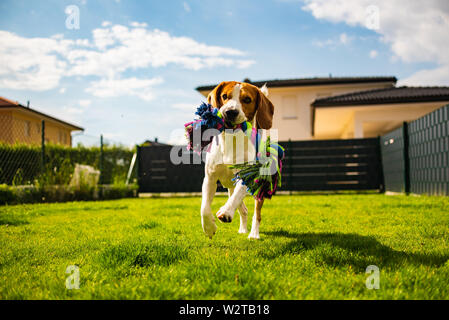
x=338, y=249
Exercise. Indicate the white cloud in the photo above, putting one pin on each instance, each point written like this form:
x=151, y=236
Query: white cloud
x=72, y=111
x=186, y=106
x=31, y=64
x=122, y=48
x=138, y=25
x=40, y=63
x=112, y=87
x=84, y=103
x=373, y=54
x=415, y=31
x=342, y=39
x=428, y=77
x=177, y=137
x=62, y=90
x=186, y=7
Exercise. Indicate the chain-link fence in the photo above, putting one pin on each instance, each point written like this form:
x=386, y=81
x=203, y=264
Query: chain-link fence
x=33, y=153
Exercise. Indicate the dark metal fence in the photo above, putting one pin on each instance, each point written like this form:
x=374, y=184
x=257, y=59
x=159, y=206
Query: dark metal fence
x=309, y=165
x=322, y=165
x=421, y=164
x=157, y=173
x=392, y=149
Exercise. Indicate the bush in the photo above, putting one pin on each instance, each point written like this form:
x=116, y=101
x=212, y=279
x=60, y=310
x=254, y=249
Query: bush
x=119, y=192
x=6, y=194
x=38, y=194
x=20, y=164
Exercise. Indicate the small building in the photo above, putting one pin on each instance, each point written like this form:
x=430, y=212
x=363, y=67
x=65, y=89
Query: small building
x=153, y=143
x=344, y=107
x=21, y=124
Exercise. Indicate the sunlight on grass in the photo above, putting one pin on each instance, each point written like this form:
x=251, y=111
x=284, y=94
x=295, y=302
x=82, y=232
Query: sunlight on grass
x=311, y=247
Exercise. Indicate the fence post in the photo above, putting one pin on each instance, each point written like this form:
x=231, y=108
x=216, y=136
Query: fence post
x=43, y=146
x=406, y=158
x=290, y=169
x=101, y=160
x=138, y=150
x=381, y=166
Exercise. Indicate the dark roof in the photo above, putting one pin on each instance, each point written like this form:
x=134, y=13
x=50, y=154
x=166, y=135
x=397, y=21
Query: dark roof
x=384, y=96
x=310, y=82
x=153, y=143
x=6, y=103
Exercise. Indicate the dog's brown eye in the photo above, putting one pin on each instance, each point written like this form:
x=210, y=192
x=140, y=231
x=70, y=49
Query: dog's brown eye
x=225, y=96
x=247, y=100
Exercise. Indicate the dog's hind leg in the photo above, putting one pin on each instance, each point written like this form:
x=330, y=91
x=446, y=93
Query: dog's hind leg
x=257, y=217
x=243, y=210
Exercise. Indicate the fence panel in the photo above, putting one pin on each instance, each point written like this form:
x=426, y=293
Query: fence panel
x=429, y=153
x=157, y=173
x=20, y=150
x=309, y=165
x=321, y=165
x=393, y=162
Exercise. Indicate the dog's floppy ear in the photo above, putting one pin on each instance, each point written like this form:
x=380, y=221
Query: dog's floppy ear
x=214, y=97
x=264, y=113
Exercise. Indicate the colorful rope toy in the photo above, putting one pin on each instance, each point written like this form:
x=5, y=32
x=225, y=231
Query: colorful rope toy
x=261, y=176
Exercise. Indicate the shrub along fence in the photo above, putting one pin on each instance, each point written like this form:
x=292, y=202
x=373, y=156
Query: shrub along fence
x=22, y=164
x=33, y=171
x=416, y=156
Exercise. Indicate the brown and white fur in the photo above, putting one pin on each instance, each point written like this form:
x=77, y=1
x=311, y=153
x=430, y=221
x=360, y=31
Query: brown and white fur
x=237, y=102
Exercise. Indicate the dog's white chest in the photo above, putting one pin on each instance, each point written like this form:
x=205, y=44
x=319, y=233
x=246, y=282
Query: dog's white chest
x=236, y=148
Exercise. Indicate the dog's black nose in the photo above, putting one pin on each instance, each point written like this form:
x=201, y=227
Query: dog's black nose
x=231, y=114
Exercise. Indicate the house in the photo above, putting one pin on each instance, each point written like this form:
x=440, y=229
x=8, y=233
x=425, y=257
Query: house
x=373, y=113
x=344, y=107
x=21, y=124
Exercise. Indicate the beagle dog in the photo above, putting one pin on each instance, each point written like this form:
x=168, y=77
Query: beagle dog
x=238, y=102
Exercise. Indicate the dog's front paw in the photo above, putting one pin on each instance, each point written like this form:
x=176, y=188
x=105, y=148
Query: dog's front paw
x=209, y=226
x=225, y=214
x=243, y=230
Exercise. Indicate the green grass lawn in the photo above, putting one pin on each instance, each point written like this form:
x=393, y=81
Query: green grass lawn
x=311, y=247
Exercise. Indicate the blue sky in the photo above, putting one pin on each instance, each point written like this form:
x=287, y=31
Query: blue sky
x=130, y=91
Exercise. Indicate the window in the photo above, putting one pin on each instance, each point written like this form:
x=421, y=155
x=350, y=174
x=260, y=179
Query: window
x=289, y=107
x=62, y=137
x=27, y=128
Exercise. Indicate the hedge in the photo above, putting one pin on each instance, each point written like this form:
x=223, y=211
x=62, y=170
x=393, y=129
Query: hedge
x=21, y=164
x=45, y=194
